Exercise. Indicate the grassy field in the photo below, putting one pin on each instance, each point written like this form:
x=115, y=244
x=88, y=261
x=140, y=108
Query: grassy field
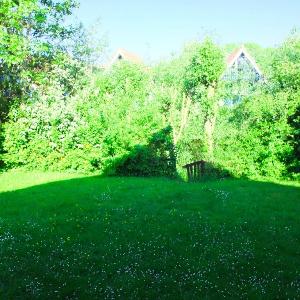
x=67, y=237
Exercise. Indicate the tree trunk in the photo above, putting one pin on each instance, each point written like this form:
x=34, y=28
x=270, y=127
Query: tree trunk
x=209, y=125
x=185, y=111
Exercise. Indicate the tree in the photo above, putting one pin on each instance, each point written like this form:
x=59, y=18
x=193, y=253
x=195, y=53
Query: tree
x=32, y=34
x=286, y=79
x=202, y=78
x=168, y=80
x=259, y=136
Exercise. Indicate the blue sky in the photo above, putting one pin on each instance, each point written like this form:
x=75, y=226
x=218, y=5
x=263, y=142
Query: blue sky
x=154, y=29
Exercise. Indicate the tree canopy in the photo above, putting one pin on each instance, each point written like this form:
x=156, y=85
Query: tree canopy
x=59, y=111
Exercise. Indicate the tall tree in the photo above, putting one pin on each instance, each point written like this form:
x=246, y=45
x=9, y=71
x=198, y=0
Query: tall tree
x=202, y=78
x=286, y=79
x=32, y=33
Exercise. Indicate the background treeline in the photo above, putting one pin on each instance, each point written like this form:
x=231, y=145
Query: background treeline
x=58, y=111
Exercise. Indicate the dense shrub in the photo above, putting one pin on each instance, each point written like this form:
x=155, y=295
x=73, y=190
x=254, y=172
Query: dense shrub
x=85, y=132
x=1, y=147
x=294, y=139
x=156, y=158
x=131, y=119
x=252, y=137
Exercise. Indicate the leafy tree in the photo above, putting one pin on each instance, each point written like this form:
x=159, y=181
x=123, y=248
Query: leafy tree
x=131, y=119
x=286, y=79
x=91, y=130
x=251, y=137
x=286, y=64
x=32, y=35
x=168, y=78
x=259, y=136
x=202, y=78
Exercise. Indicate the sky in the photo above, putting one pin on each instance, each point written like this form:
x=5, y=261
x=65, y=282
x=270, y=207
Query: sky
x=155, y=29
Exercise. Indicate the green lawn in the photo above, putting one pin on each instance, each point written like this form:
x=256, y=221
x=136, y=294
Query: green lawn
x=66, y=237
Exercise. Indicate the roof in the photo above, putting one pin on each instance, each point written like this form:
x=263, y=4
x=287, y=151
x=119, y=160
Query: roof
x=232, y=58
x=122, y=54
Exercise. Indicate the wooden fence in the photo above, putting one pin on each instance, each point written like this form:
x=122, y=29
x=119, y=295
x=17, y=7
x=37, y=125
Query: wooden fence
x=195, y=170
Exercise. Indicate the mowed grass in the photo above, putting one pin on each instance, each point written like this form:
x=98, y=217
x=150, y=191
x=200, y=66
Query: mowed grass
x=139, y=238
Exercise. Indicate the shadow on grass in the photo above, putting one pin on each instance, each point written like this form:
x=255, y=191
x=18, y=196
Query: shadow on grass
x=96, y=237
x=102, y=237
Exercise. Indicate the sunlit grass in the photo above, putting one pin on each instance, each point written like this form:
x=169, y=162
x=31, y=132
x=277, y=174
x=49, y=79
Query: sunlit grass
x=110, y=238
x=18, y=179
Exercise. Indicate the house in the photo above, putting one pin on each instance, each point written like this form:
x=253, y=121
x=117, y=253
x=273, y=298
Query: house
x=241, y=76
x=240, y=65
x=124, y=55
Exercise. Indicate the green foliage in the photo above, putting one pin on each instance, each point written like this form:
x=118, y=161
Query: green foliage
x=294, y=139
x=259, y=135
x=33, y=35
x=204, y=70
x=1, y=146
x=286, y=64
x=286, y=79
x=60, y=112
x=255, y=140
x=88, y=131
x=157, y=158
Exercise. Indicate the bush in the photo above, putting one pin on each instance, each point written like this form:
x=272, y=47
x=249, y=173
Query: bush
x=157, y=158
x=255, y=142
x=85, y=132
x=128, y=119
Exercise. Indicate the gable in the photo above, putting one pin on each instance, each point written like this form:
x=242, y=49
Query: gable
x=122, y=54
x=241, y=66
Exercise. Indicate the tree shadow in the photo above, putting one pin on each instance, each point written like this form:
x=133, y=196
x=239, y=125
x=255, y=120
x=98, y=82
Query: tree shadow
x=73, y=238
